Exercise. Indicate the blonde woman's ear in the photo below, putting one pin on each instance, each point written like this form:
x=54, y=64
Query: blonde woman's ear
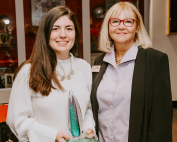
x=136, y=36
x=138, y=26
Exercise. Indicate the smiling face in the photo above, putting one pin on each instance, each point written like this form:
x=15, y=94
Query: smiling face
x=122, y=34
x=62, y=37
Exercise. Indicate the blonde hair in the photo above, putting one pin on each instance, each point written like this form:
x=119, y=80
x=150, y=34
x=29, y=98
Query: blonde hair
x=142, y=38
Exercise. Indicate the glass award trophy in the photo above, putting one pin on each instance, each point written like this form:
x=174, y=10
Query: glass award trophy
x=76, y=122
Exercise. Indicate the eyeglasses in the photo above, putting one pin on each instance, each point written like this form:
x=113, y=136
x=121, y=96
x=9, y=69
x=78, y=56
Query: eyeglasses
x=128, y=22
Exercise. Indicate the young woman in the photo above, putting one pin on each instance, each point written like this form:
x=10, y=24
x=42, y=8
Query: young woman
x=38, y=105
x=131, y=93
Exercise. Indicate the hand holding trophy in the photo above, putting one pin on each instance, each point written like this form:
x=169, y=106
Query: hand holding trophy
x=61, y=136
x=76, y=123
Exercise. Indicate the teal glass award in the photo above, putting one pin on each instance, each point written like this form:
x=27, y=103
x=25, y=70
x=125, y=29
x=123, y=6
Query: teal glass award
x=76, y=122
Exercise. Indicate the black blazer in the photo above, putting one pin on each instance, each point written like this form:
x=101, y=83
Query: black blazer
x=151, y=99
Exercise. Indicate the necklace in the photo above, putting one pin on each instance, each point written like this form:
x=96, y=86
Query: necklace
x=117, y=61
x=68, y=77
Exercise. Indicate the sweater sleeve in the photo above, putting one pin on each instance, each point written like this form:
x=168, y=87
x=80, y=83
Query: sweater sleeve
x=89, y=121
x=20, y=112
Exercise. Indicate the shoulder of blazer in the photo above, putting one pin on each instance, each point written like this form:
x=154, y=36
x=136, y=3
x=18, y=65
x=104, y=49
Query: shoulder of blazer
x=152, y=56
x=99, y=59
x=153, y=53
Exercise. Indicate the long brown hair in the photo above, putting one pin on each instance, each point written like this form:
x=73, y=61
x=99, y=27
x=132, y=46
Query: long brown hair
x=43, y=58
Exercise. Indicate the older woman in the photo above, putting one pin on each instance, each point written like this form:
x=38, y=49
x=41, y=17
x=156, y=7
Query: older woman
x=131, y=93
x=38, y=105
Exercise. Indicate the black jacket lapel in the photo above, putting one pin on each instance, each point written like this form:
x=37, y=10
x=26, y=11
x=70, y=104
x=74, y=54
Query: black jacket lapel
x=96, y=81
x=99, y=76
x=137, y=98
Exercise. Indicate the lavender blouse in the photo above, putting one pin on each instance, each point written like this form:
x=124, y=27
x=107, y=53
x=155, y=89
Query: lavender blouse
x=114, y=94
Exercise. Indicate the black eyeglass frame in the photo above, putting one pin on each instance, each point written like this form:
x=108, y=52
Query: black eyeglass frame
x=121, y=21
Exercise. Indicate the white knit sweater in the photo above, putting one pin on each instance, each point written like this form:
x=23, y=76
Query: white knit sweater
x=35, y=118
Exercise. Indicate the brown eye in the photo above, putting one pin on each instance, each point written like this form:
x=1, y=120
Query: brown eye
x=55, y=29
x=69, y=29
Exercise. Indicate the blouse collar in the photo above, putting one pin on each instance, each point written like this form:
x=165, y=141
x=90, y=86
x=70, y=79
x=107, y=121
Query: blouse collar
x=129, y=55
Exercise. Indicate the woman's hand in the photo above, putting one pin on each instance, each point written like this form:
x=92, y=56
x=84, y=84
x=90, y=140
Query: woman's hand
x=89, y=131
x=90, y=134
x=61, y=136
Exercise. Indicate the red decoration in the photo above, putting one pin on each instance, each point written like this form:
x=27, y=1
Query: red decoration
x=3, y=110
